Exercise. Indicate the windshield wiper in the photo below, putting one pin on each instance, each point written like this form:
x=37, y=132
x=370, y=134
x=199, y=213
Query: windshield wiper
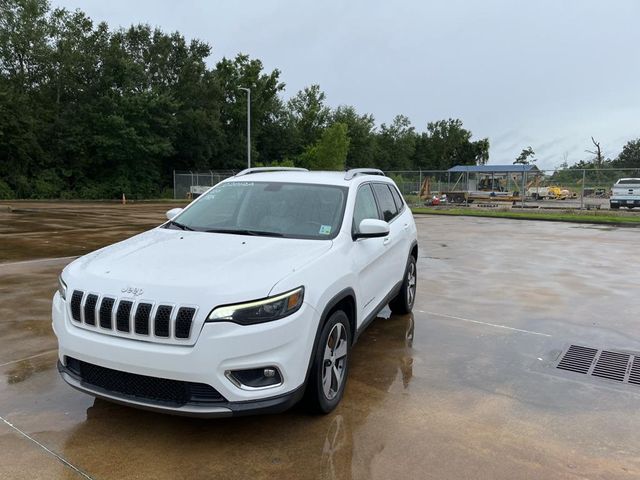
x=257, y=233
x=179, y=225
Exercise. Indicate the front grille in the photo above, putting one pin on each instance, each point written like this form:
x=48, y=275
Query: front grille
x=125, y=317
x=143, y=387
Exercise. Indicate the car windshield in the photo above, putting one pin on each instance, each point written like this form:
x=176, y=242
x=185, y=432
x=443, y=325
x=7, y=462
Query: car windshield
x=291, y=210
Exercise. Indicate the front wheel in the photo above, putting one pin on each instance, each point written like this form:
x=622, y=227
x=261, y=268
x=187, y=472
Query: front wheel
x=403, y=302
x=330, y=364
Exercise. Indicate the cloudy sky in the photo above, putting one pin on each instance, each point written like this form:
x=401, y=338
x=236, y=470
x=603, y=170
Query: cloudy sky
x=545, y=73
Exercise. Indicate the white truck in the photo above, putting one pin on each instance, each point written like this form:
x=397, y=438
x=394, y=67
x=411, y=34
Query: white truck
x=625, y=193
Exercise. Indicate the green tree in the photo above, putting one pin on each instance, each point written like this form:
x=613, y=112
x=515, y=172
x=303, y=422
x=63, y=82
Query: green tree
x=362, y=135
x=265, y=87
x=330, y=152
x=308, y=115
x=526, y=157
x=629, y=157
x=447, y=143
x=395, y=145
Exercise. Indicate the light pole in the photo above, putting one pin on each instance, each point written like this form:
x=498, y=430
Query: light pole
x=248, y=90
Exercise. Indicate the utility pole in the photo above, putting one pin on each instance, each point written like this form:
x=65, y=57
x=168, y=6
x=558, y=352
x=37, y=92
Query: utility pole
x=248, y=90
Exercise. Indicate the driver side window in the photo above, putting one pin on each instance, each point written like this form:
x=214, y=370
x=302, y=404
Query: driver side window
x=365, y=207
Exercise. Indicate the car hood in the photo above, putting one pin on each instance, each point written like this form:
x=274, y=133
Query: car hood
x=191, y=267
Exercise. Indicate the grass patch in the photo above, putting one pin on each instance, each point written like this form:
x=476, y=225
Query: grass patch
x=607, y=218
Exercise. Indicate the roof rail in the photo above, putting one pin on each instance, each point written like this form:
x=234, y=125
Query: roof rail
x=247, y=171
x=362, y=171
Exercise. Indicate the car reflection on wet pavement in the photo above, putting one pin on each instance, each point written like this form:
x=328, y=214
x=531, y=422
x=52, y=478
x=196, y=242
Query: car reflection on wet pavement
x=463, y=388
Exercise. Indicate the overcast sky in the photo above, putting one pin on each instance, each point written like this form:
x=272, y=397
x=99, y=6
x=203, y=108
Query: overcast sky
x=545, y=73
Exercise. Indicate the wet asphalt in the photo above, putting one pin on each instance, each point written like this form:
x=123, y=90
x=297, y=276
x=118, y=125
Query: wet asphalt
x=465, y=388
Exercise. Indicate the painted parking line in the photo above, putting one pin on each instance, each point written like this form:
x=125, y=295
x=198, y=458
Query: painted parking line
x=27, y=358
x=46, y=449
x=485, y=323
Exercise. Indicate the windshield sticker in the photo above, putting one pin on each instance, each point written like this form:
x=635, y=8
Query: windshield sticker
x=235, y=184
x=325, y=230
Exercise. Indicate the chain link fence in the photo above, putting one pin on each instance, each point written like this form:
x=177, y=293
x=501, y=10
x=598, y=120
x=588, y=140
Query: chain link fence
x=560, y=188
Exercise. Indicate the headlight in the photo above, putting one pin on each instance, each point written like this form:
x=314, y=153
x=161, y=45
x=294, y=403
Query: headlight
x=62, y=287
x=259, y=311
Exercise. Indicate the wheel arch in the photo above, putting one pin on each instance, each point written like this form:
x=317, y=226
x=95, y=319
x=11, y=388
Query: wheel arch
x=413, y=251
x=344, y=300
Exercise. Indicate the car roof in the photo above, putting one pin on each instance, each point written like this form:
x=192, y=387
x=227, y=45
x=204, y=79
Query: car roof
x=314, y=177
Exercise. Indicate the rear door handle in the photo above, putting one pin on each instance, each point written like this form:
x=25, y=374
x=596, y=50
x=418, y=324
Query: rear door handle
x=406, y=225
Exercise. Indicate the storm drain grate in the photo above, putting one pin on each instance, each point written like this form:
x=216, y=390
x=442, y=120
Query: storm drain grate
x=618, y=366
x=634, y=375
x=611, y=365
x=578, y=359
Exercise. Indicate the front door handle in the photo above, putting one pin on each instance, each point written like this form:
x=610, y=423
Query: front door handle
x=406, y=225
x=386, y=241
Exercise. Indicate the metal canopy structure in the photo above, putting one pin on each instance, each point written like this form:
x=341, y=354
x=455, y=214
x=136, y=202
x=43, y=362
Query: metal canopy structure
x=488, y=169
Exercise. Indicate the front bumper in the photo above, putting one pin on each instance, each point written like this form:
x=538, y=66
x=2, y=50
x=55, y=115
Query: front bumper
x=221, y=347
x=625, y=202
x=213, y=410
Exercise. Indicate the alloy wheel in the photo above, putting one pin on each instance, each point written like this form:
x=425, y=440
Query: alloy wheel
x=334, y=361
x=411, y=283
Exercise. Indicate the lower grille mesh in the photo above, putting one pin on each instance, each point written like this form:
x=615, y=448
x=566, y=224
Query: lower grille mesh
x=143, y=387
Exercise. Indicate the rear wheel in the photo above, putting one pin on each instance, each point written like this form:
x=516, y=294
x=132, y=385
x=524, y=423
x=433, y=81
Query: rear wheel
x=403, y=302
x=330, y=364
x=615, y=207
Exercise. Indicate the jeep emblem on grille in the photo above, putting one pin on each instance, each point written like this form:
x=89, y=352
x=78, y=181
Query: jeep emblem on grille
x=133, y=291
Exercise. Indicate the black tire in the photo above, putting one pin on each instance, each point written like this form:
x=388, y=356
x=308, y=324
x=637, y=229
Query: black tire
x=403, y=302
x=318, y=398
x=615, y=207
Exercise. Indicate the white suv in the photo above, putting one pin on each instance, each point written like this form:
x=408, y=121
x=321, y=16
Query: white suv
x=245, y=301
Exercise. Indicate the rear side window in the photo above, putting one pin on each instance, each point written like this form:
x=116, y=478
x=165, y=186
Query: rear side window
x=397, y=198
x=386, y=202
x=365, y=206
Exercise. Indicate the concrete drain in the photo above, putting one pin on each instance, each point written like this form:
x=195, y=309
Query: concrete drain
x=617, y=366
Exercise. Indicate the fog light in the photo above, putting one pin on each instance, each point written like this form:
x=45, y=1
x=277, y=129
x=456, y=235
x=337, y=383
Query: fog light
x=253, y=378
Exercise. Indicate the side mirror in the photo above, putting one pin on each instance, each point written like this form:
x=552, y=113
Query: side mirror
x=372, y=228
x=171, y=214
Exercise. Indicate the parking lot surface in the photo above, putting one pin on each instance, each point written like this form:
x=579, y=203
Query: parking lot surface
x=466, y=387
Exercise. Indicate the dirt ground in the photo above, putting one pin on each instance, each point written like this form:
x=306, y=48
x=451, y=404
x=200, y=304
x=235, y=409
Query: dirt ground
x=465, y=388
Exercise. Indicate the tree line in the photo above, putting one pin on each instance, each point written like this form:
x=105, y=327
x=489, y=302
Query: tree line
x=91, y=112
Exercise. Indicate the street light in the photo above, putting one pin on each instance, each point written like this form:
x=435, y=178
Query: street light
x=248, y=90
